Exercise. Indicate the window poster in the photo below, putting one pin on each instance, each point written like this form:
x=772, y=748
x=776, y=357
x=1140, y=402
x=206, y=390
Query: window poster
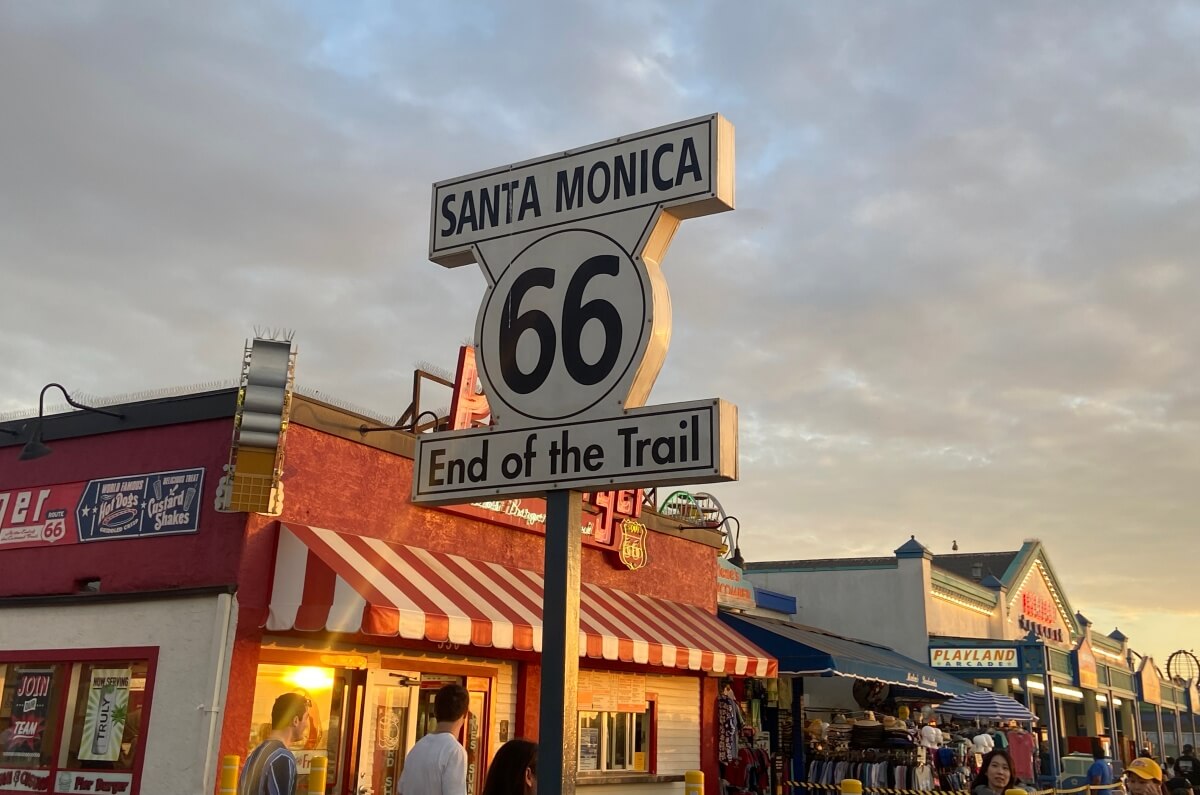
x=589, y=748
x=30, y=708
x=107, y=708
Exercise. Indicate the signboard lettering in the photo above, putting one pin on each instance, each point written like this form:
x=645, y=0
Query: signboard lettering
x=677, y=443
x=24, y=780
x=133, y=506
x=1034, y=609
x=656, y=167
x=130, y=506
x=601, y=516
x=971, y=657
x=575, y=321
x=733, y=589
x=68, y=782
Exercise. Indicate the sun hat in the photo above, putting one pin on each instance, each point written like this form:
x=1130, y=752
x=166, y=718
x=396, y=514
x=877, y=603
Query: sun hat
x=1145, y=768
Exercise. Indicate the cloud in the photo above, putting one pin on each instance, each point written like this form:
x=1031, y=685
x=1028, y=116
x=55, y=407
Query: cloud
x=957, y=298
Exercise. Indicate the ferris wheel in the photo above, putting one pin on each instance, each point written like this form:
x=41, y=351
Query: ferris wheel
x=1183, y=665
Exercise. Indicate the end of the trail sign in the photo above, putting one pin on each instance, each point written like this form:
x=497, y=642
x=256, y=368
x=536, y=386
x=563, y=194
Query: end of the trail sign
x=679, y=443
x=575, y=320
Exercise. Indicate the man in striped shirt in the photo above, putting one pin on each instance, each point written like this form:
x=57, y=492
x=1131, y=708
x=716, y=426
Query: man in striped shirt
x=271, y=768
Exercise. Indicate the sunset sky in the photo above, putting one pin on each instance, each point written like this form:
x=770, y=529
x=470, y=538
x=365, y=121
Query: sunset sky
x=957, y=298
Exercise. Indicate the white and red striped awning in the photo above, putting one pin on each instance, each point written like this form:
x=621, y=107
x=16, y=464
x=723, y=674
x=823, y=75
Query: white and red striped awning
x=338, y=582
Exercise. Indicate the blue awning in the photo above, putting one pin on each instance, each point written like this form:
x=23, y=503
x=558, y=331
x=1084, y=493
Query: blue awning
x=807, y=651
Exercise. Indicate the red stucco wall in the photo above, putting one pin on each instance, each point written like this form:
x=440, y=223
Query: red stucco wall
x=351, y=488
x=209, y=557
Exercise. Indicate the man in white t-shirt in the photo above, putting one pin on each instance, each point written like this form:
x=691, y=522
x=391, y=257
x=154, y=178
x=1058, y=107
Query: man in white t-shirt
x=437, y=764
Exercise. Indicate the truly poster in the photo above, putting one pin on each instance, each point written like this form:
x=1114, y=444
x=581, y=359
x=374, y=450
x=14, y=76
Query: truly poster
x=31, y=706
x=107, y=708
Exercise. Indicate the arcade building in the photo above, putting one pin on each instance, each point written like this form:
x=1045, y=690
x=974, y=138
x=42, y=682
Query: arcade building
x=1003, y=621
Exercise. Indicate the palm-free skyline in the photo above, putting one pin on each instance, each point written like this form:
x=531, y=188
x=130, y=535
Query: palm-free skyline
x=957, y=298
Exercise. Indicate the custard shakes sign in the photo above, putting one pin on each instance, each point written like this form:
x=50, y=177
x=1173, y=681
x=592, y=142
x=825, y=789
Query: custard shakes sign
x=576, y=320
x=129, y=506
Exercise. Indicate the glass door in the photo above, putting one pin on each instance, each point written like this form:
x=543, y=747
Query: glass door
x=389, y=729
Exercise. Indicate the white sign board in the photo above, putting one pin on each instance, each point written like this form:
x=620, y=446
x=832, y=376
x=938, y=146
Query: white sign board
x=673, y=444
x=576, y=319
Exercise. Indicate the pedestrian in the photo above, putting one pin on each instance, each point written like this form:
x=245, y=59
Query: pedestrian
x=437, y=764
x=995, y=774
x=513, y=770
x=271, y=768
x=1143, y=776
x=1187, y=766
x=1100, y=774
x=1178, y=786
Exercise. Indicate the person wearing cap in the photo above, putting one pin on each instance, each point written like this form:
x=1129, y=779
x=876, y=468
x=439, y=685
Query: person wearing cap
x=1187, y=766
x=1143, y=777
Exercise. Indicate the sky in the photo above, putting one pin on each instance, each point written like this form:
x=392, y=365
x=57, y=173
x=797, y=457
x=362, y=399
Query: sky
x=956, y=299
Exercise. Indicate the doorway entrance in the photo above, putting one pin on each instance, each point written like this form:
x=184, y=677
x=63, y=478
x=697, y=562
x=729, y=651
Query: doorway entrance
x=398, y=710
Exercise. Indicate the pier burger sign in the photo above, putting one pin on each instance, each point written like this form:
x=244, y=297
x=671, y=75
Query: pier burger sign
x=576, y=319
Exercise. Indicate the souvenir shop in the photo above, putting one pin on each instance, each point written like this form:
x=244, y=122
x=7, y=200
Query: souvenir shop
x=841, y=708
x=1000, y=620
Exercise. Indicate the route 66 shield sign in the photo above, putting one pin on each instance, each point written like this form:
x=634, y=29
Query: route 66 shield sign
x=633, y=544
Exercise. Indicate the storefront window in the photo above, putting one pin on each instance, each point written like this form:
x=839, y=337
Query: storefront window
x=323, y=689
x=72, y=726
x=1170, y=738
x=1150, y=728
x=610, y=741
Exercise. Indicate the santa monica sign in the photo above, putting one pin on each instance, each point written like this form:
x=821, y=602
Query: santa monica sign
x=576, y=319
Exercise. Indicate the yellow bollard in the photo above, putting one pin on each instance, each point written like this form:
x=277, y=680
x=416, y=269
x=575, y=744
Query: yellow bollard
x=851, y=786
x=229, y=774
x=317, y=773
x=693, y=783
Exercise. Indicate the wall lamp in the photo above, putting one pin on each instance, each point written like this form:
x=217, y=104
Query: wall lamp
x=35, y=448
x=416, y=424
x=736, y=558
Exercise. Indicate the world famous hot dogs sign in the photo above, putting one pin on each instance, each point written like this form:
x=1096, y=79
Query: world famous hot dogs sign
x=130, y=506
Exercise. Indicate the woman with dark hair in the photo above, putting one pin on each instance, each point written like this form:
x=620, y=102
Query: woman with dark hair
x=514, y=769
x=995, y=775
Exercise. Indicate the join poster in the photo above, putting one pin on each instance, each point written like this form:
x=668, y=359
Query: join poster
x=30, y=708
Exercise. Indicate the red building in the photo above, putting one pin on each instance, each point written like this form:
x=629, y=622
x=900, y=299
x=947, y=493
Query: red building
x=144, y=633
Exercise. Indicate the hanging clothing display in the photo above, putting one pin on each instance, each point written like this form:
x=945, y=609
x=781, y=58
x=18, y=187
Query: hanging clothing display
x=1023, y=746
x=729, y=726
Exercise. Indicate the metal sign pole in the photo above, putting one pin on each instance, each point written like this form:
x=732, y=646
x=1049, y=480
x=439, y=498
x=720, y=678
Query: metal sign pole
x=558, y=717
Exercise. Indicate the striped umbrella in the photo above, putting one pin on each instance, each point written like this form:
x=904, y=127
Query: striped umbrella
x=986, y=705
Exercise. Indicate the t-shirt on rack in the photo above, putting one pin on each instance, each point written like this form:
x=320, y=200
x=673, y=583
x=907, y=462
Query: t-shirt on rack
x=890, y=774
